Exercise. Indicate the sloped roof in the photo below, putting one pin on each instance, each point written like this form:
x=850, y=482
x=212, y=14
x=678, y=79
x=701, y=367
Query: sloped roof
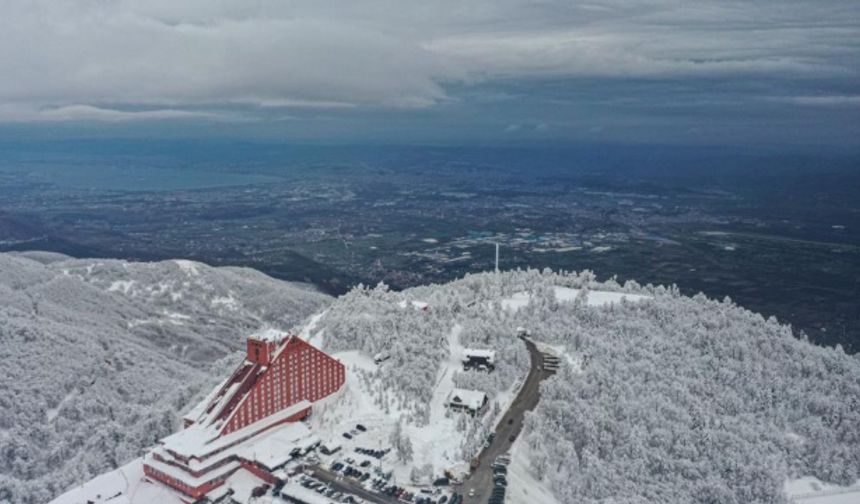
x=472, y=399
x=479, y=353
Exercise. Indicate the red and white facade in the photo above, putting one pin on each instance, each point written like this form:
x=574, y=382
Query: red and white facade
x=275, y=385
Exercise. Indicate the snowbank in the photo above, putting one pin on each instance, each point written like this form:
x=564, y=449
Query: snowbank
x=810, y=490
x=121, y=486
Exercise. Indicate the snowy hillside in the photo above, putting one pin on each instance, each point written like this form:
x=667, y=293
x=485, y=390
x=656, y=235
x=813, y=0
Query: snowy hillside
x=100, y=355
x=659, y=397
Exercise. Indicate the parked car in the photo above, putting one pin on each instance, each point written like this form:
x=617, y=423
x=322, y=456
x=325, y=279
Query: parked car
x=361, y=427
x=347, y=435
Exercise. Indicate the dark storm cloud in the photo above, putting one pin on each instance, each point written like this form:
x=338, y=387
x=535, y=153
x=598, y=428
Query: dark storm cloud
x=603, y=61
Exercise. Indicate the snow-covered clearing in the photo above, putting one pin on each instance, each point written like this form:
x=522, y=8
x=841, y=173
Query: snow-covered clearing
x=566, y=294
x=418, y=305
x=523, y=488
x=123, y=286
x=52, y=413
x=226, y=302
x=121, y=486
x=810, y=490
x=437, y=443
x=189, y=267
x=317, y=338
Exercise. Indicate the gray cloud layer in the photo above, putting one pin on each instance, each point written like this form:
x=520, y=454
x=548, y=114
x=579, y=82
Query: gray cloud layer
x=101, y=60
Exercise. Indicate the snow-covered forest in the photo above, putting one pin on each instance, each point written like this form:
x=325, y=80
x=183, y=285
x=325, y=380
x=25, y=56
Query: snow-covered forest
x=100, y=356
x=660, y=397
x=377, y=321
x=666, y=399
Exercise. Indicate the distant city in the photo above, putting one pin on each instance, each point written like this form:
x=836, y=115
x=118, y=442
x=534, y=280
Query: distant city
x=335, y=217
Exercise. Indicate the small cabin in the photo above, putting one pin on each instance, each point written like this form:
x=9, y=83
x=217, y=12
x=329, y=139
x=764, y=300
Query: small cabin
x=473, y=402
x=479, y=359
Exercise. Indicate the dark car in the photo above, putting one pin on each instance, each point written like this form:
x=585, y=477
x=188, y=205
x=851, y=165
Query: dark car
x=361, y=427
x=347, y=435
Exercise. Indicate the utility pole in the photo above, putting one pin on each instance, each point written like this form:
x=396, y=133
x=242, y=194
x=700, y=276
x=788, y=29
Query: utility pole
x=497, y=257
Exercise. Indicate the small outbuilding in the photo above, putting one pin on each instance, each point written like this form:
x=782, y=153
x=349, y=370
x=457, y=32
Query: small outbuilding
x=480, y=359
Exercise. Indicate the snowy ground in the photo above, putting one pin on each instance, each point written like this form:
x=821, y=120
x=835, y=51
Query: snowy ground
x=437, y=443
x=566, y=294
x=121, y=486
x=523, y=488
x=809, y=490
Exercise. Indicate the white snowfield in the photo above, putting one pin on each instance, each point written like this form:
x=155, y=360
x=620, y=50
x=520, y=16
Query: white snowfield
x=523, y=488
x=120, y=486
x=810, y=490
x=567, y=294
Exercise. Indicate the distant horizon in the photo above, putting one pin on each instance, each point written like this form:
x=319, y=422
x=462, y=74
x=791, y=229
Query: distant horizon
x=81, y=137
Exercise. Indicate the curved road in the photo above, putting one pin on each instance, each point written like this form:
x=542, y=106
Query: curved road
x=481, y=480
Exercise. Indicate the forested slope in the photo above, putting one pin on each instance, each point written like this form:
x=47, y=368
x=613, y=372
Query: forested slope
x=100, y=356
x=665, y=399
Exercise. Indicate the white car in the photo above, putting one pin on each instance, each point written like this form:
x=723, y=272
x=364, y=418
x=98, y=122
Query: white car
x=471, y=492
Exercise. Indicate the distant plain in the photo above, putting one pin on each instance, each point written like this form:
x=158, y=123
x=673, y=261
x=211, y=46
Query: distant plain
x=779, y=233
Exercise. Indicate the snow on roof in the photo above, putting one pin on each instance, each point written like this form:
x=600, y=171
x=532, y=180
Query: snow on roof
x=472, y=399
x=186, y=477
x=268, y=334
x=479, y=353
x=125, y=485
x=198, y=440
x=293, y=489
x=243, y=483
x=273, y=450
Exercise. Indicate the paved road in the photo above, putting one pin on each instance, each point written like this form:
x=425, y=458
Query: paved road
x=348, y=486
x=510, y=425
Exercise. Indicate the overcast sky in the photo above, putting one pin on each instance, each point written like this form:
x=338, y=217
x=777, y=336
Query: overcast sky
x=687, y=71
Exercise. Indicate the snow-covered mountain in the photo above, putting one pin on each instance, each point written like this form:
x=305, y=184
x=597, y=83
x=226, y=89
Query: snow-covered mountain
x=659, y=397
x=99, y=356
